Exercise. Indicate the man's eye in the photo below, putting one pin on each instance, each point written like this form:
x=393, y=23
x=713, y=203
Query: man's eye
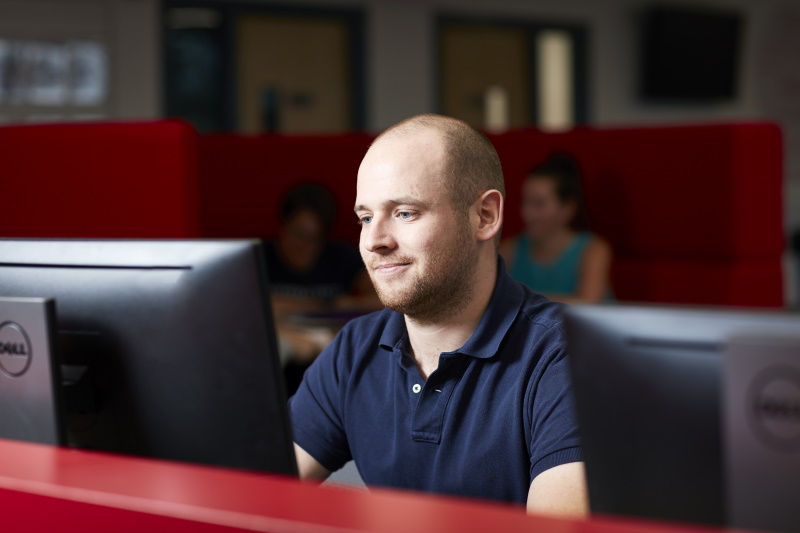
x=405, y=215
x=364, y=220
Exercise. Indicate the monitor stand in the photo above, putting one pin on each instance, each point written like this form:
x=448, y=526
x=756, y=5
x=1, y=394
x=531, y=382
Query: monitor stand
x=30, y=384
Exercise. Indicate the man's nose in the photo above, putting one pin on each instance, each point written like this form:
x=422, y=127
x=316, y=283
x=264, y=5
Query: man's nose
x=377, y=235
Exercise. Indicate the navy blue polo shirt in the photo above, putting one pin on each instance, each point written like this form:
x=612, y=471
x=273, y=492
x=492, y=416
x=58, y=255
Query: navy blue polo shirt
x=495, y=413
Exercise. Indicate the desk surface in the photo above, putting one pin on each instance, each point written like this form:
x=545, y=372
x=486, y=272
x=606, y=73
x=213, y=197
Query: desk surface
x=46, y=488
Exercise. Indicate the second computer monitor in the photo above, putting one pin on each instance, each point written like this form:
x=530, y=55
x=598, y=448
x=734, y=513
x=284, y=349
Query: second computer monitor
x=648, y=388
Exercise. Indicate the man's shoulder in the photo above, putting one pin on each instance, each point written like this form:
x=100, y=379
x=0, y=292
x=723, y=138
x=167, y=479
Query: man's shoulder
x=529, y=308
x=541, y=312
x=539, y=326
x=358, y=345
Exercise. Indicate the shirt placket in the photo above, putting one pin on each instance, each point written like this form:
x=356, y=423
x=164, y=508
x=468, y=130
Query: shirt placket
x=434, y=396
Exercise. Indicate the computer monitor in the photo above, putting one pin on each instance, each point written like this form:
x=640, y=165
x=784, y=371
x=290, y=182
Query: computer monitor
x=167, y=348
x=647, y=385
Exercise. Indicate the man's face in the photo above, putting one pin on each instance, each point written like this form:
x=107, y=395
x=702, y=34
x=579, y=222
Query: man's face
x=420, y=255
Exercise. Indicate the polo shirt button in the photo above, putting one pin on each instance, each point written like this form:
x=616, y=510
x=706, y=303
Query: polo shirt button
x=416, y=388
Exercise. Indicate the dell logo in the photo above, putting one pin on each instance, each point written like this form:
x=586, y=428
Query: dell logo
x=774, y=400
x=15, y=350
x=779, y=408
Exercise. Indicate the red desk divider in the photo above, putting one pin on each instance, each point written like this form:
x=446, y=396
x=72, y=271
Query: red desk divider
x=115, y=180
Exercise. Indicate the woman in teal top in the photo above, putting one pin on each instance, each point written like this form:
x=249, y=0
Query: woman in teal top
x=552, y=256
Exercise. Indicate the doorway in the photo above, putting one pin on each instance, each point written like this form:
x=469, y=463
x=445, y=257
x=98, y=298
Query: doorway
x=498, y=75
x=252, y=68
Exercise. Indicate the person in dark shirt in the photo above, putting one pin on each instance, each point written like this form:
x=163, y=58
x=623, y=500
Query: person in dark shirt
x=310, y=274
x=461, y=385
x=308, y=271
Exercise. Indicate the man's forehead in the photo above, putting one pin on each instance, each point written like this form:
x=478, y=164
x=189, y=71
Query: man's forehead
x=419, y=141
x=402, y=165
x=405, y=189
x=398, y=185
x=420, y=153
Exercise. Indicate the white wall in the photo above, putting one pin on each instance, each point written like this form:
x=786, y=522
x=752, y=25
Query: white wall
x=400, y=62
x=129, y=30
x=136, y=42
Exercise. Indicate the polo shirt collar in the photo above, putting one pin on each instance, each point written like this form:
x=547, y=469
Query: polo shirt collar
x=503, y=307
x=394, y=333
x=497, y=319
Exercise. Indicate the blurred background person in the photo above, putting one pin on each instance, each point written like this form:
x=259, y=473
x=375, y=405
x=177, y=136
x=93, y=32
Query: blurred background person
x=316, y=284
x=555, y=254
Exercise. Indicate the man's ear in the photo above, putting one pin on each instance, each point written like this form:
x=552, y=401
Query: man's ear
x=489, y=209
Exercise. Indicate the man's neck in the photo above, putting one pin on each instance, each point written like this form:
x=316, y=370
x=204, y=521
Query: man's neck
x=431, y=338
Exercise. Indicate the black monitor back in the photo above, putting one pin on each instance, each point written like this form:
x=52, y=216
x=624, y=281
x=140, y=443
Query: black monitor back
x=647, y=384
x=167, y=348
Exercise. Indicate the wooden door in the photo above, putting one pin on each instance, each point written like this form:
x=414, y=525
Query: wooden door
x=293, y=74
x=478, y=61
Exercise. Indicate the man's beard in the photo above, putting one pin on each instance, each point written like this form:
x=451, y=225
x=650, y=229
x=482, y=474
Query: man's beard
x=442, y=289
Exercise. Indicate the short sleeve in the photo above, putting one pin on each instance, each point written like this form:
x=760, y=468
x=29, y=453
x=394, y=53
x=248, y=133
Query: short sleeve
x=554, y=438
x=316, y=409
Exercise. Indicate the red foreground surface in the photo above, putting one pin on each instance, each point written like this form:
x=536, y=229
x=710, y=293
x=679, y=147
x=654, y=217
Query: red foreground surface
x=45, y=488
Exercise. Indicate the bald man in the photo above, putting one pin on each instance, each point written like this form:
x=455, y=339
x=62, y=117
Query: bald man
x=460, y=386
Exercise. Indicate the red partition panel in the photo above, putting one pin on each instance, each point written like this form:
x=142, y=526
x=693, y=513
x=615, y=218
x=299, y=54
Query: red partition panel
x=244, y=178
x=121, y=180
x=694, y=192
x=752, y=282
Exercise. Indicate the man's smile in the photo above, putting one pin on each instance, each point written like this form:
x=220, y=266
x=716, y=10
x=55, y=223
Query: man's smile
x=390, y=267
